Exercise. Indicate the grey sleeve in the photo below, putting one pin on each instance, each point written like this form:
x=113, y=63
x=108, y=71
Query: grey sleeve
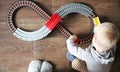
x=79, y=52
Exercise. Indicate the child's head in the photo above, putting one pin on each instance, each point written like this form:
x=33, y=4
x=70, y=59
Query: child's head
x=105, y=37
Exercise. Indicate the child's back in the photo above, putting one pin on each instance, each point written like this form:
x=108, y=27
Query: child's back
x=100, y=54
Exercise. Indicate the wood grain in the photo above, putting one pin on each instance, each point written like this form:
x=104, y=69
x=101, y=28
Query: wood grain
x=16, y=54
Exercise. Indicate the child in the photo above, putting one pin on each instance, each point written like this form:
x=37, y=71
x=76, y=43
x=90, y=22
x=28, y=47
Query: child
x=100, y=54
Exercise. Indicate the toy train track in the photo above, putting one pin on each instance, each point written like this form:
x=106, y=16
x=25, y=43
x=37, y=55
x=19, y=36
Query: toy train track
x=52, y=21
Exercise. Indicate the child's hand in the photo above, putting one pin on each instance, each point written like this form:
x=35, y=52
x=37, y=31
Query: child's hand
x=74, y=37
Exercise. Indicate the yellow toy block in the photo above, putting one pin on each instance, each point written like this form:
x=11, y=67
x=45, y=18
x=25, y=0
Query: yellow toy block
x=96, y=20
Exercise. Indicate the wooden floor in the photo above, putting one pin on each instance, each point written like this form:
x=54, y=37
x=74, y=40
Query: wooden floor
x=16, y=54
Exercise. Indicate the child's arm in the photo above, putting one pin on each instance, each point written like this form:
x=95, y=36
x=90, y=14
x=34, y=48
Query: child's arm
x=74, y=50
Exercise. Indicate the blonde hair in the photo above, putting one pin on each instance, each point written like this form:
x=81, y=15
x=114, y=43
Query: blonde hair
x=107, y=34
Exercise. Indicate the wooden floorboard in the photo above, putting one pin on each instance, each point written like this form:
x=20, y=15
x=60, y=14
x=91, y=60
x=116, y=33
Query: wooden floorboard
x=16, y=54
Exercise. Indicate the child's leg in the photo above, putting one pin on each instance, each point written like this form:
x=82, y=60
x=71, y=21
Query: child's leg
x=70, y=57
x=79, y=65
